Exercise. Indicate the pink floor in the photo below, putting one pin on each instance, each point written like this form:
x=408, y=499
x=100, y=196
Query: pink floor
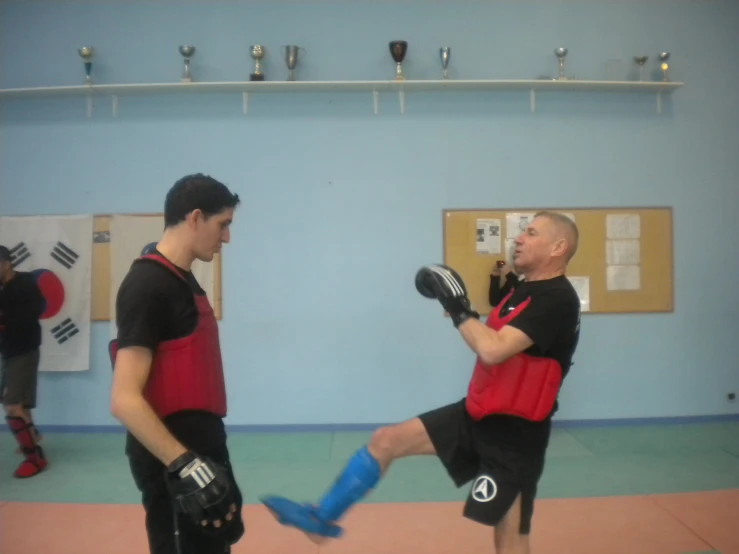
x=654, y=524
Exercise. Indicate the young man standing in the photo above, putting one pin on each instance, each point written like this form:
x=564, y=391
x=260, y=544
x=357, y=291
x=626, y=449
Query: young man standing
x=21, y=306
x=168, y=382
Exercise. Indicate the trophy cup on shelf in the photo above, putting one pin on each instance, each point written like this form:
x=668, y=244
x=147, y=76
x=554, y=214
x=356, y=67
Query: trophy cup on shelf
x=187, y=51
x=291, y=54
x=444, y=54
x=561, y=53
x=87, y=53
x=640, y=61
x=257, y=52
x=398, y=50
x=663, y=57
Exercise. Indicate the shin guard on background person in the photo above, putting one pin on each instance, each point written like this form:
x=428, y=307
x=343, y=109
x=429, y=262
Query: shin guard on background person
x=360, y=475
x=34, y=462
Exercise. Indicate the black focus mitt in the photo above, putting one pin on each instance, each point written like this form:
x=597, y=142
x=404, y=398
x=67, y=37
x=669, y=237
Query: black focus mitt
x=446, y=285
x=204, y=491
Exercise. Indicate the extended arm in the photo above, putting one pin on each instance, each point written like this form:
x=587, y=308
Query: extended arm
x=128, y=405
x=141, y=309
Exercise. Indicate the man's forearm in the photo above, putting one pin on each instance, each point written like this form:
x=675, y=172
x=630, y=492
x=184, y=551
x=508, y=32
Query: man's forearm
x=135, y=413
x=480, y=338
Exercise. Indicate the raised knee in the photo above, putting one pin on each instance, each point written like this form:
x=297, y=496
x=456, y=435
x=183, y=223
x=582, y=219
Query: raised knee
x=382, y=445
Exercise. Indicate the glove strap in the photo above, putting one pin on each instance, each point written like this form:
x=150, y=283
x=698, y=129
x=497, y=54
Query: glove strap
x=181, y=462
x=460, y=317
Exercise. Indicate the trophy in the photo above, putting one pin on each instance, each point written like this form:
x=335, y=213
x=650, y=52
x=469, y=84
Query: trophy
x=641, y=60
x=663, y=57
x=257, y=53
x=291, y=59
x=561, y=53
x=187, y=52
x=444, y=53
x=398, y=50
x=87, y=53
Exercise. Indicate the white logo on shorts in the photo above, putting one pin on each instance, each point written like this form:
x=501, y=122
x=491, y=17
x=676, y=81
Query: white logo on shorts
x=484, y=489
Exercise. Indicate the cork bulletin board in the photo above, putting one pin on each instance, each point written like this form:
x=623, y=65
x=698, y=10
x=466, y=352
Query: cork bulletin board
x=624, y=262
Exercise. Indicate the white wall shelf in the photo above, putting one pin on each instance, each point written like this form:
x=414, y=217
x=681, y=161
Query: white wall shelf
x=375, y=87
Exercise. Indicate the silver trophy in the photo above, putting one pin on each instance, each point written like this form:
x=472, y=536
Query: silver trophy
x=640, y=61
x=561, y=53
x=187, y=51
x=663, y=57
x=444, y=54
x=291, y=54
x=87, y=53
x=257, y=53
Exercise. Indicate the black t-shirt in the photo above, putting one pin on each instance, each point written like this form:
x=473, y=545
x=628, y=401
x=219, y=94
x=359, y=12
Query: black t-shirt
x=552, y=321
x=497, y=291
x=153, y=305
x=21, y=306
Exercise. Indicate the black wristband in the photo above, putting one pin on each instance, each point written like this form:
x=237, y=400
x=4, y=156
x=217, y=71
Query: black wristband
x=181, y=461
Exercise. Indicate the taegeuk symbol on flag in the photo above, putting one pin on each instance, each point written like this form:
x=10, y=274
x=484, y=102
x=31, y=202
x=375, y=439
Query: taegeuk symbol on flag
x=57, y=251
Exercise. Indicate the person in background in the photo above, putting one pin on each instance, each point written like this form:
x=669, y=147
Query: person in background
x=21, y=306
x=502, y=280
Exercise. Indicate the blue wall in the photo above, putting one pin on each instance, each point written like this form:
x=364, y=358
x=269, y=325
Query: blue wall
x=322, y=322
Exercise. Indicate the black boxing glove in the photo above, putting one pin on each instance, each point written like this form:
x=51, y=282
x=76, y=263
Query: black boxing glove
x=204, y=491
x=444, y=284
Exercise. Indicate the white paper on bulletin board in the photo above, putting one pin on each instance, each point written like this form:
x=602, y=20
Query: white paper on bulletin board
x=488, y=239
x=582, y=286
x=516, y=223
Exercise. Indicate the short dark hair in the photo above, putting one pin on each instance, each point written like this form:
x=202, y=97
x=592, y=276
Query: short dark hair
x=197, y=192
x=5, y=254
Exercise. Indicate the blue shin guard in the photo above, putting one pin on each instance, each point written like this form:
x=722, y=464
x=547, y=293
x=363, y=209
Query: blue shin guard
x=360, y=475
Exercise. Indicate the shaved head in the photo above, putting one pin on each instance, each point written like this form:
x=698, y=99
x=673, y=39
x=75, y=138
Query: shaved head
x=564, y=229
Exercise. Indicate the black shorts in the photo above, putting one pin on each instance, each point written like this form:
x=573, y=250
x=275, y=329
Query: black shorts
x=19, y=378
x=148, y=474
x=499, y=471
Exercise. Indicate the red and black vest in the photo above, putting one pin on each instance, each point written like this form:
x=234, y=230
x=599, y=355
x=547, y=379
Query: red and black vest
x=187, y=372
x=523, y=385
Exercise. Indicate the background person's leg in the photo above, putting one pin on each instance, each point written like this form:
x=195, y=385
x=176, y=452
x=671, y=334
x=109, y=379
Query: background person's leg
x=19, y=378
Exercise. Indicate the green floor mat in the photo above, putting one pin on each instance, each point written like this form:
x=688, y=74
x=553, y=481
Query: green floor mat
x=92, y=468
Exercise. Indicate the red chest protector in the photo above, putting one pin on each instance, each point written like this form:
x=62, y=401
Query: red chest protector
x=523, y=385
x=186, y=373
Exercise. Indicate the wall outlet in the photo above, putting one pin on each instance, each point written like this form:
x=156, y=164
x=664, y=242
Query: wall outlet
x=731, y=396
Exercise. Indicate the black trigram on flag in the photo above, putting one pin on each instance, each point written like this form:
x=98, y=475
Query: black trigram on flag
x=64, y=331
x=64, y=255
x=19, y=254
